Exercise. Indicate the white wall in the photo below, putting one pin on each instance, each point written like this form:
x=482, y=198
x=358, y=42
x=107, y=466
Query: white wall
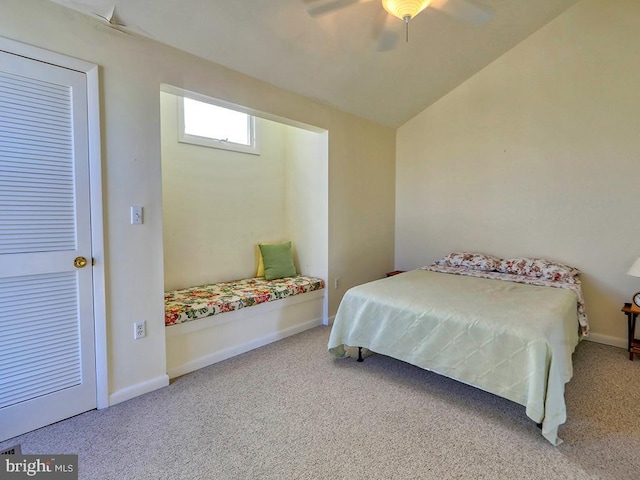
x=536, y=155
x=361, y=172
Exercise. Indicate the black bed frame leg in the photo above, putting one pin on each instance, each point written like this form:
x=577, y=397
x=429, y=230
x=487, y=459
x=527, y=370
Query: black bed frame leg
x=539, y=425
x=360, y=359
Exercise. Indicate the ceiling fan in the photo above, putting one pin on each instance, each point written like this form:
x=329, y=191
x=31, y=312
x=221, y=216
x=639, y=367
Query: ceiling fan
x=405, y=10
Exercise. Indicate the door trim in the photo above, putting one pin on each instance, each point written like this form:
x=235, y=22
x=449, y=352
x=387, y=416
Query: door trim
x=95, y=187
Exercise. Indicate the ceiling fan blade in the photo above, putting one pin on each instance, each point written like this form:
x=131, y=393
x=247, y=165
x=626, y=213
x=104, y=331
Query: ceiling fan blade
x=385, y=33
x=387, y=41
x=316, y=8
x=463, y=10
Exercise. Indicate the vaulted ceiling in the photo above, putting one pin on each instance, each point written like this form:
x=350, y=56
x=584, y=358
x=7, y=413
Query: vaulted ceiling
x=336, y=58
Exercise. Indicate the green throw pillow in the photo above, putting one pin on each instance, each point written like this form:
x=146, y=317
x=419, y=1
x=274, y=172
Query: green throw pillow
x=278, y=261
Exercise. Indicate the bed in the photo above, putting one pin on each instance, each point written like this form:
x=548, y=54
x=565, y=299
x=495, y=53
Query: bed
x=508, y=327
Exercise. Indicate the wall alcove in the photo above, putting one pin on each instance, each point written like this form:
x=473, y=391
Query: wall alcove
x=219, y=204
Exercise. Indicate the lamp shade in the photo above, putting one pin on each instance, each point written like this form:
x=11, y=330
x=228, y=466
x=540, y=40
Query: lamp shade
x=405, y=8
x=634, y=271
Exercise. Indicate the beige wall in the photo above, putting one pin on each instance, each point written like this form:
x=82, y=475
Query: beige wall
x=218, y=204
x=306, y=199
x=537, y=155
x=361, y=171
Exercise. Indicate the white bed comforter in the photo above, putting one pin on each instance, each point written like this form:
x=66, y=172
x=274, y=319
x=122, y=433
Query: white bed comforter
x=510, y=339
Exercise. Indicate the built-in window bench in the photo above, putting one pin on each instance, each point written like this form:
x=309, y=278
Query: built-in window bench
x=211, y=323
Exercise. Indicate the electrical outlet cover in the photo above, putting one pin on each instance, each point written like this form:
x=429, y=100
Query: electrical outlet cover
x=139, y=330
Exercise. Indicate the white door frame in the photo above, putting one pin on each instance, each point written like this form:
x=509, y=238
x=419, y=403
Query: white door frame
x=95, y=187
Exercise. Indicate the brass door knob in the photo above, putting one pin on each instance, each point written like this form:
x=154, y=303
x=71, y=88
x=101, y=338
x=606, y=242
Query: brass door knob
x=80, y=262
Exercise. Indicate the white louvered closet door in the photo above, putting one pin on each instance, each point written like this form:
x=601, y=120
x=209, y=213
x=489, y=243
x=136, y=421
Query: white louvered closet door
x=47, y=349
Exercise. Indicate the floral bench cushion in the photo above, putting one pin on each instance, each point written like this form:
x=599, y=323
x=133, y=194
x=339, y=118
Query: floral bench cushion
x=200, y=302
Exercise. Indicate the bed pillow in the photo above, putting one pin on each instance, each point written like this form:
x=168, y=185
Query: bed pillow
x=538, y=268
x=260, y=267
x=278, y=261
x=473, y=261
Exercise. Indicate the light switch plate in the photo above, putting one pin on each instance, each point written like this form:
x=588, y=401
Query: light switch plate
x=136, y=215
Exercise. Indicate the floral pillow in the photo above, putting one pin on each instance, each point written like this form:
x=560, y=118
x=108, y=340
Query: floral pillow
x=538, y=268
x=473, y=261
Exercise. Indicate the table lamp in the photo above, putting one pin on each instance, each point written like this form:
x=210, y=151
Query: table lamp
x=634, y=271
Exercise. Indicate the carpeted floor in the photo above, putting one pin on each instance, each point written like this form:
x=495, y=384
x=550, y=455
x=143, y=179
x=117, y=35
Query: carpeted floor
x=290, y=411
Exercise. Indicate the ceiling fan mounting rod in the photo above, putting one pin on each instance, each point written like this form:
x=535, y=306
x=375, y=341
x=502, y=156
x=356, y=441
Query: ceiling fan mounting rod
x=406, y=19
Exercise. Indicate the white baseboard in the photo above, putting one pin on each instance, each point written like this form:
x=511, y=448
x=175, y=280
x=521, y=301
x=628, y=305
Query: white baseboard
x=607, y=340
x=330, y=320
x=138, y=389
x=221, y=355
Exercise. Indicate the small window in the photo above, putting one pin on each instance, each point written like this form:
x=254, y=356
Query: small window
x=210, y=125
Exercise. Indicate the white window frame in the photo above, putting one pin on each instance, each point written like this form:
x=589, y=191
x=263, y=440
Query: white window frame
x=253, y=148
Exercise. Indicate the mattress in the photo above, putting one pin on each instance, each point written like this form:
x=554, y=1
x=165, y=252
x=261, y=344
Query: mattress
x=511, y=339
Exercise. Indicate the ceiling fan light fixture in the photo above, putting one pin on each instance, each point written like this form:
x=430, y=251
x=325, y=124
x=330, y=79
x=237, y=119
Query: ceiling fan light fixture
x=405, y=9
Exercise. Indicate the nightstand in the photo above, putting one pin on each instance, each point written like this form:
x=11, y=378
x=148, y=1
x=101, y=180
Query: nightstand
x=632, y=315
x=395, y=272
